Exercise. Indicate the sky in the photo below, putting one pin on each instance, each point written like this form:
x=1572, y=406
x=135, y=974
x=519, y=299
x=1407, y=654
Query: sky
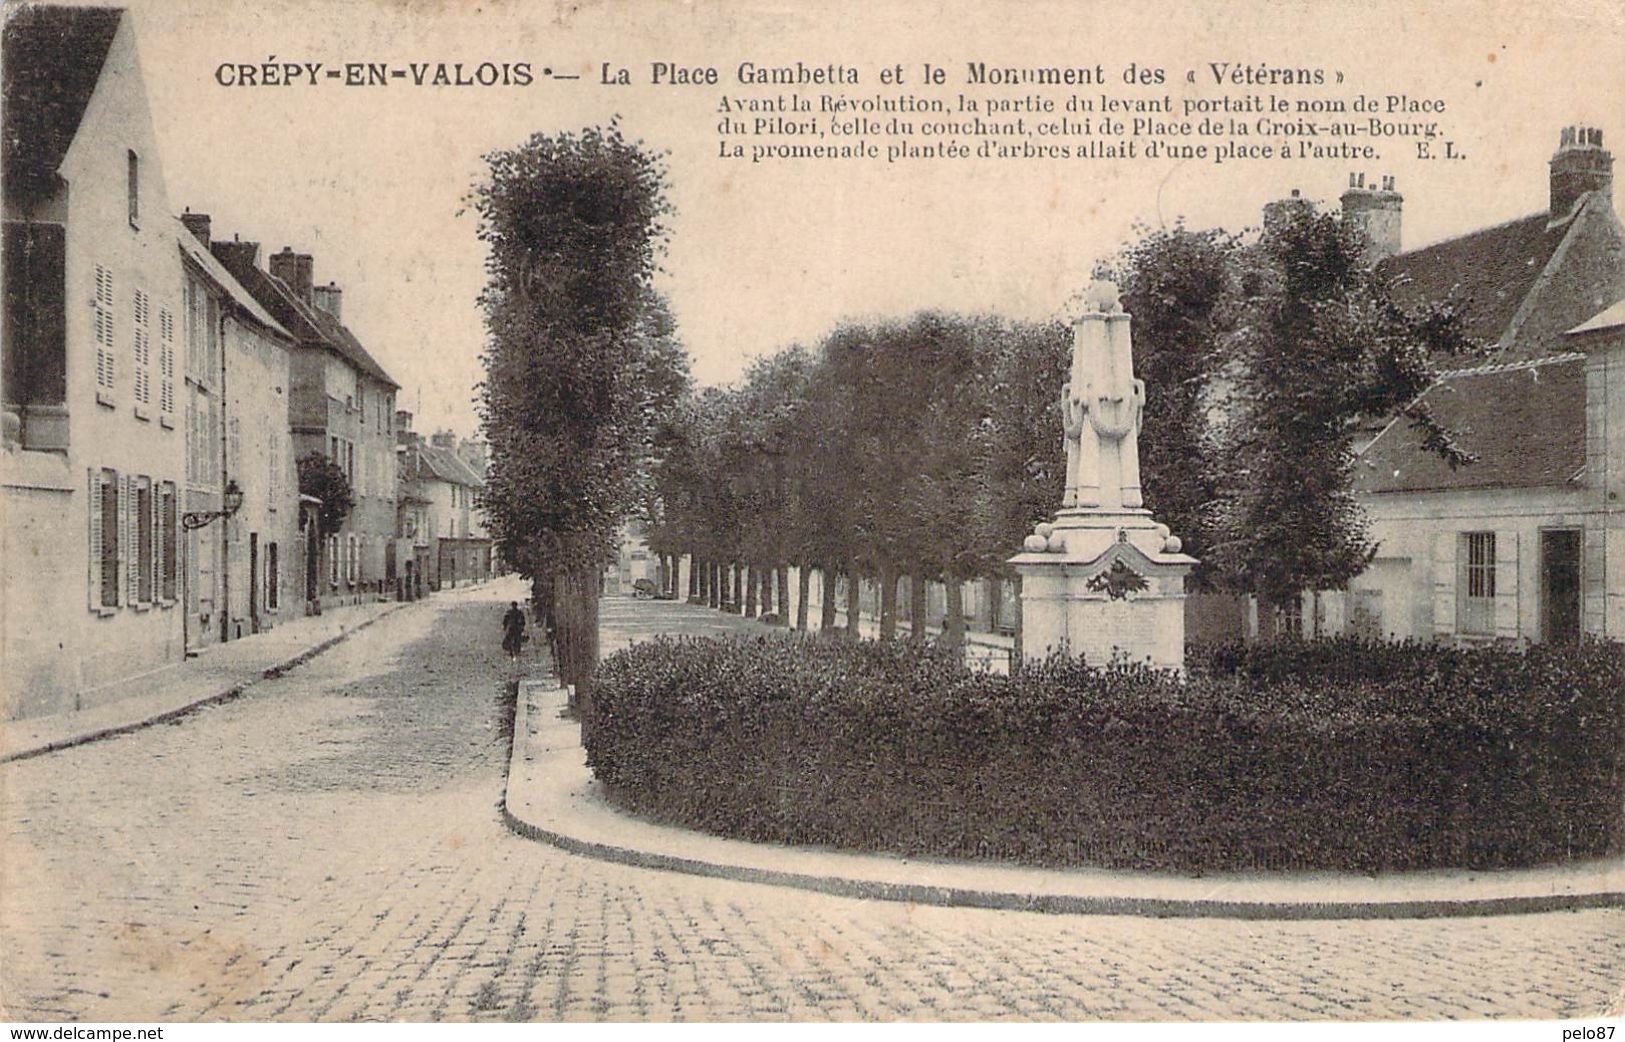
x=372, y=181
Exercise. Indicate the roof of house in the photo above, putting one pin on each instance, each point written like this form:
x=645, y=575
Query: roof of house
x=1610, y=318
x=351, y=348
x=1490, y=272
x=195, y=251
x=446, y=465
x=306, y=321
x=52, y=58
x=1525, y=421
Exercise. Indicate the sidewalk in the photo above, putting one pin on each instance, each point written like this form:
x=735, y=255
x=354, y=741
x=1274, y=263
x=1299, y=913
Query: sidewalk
x=551, y=796
x=218, y=673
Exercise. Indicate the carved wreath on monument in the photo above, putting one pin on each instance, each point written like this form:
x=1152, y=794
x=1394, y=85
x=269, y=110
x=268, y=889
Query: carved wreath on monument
x=1118, y=581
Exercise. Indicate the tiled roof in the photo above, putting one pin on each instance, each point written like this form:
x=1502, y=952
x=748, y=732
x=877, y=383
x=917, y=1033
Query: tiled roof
x=1612, y=318
x=52, y=58
x=1490, y=271
x=306, y=321
x=448, y=466
x=203, y=258
x=1525, y=421
x=351, y=348
x=278, y=299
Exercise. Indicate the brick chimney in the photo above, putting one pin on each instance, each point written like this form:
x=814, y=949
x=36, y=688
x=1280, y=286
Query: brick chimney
x=444, y=440
x=1580, y=165
x=330, y=299
x=294, y=269
x=197, y=224
x=1280, y=209
x=1375, y=210
x=404, y=435
x=236, y=254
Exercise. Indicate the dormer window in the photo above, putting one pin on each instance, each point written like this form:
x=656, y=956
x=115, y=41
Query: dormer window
x=134, y=187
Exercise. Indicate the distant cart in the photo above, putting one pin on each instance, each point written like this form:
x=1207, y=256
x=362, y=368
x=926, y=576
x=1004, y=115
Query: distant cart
x=644, y=589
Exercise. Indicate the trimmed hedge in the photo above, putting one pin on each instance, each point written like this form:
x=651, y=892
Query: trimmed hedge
x=1330, y=754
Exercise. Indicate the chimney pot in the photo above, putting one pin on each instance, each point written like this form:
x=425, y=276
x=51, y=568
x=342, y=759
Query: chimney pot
x=330, y=299
x=1579, y=166
x=197, y=224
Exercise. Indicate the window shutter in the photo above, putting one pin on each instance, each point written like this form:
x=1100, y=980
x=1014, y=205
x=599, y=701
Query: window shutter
x=1506, y=585
x=1444, y=584
x=95, y=513
x=155, y=519
x=129, y=552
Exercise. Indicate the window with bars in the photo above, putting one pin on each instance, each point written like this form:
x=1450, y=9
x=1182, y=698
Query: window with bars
x=166, y=361
x=106, y=371
x=1476, y=588
x=141, y=349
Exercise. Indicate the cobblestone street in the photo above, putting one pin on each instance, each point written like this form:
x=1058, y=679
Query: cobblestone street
x=327, y=847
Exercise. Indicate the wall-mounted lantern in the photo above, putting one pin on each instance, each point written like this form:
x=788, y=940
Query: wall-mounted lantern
x=233, y=500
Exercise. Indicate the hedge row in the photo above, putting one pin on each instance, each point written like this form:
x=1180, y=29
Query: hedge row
x=1336, y=754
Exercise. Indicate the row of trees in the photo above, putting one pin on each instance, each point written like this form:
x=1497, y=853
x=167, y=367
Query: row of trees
x=929, y=447
x=924, y=447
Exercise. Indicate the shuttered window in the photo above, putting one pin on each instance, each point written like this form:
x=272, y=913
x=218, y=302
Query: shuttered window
x=141, y=348
x=106, y=537
x=166, y=361
x=168, y=541
x=105, y=369
x=146, y=551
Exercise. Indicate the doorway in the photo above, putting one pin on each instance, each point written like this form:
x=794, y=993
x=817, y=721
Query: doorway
x=253, y=582
x=1560, y=585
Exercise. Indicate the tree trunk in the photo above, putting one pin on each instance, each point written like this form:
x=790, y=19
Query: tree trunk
x=753, y=579
x=576, y=636
x=693, y=579
x=784, y=595
x=888, y=602
x=953, y=627
x=738, y=602
x=713, y=572
x=826, y=608
x=916, y=607
x=803, y=595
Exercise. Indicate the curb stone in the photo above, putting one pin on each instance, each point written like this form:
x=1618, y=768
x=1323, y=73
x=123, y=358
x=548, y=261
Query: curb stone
x=218, y=698
x=1018, y=900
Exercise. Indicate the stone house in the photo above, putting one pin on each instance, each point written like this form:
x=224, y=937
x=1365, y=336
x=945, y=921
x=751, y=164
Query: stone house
x=1513, y=546
x=341, y=404
x=93, y=463
x=438, y=510
x=242, y=571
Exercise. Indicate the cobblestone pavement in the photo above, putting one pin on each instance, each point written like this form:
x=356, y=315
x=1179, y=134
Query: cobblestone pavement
x=327, y=848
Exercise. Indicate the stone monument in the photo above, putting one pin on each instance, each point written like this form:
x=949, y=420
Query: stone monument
x=1103, y=580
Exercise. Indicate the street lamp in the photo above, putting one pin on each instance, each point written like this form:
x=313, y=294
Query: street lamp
x=233, y=500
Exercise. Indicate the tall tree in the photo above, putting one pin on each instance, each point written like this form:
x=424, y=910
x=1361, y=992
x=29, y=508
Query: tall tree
x=1319, y=342
x=1177, y=286
x=573, y=223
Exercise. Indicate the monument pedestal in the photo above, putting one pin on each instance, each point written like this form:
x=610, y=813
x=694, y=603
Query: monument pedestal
x=1105, y=585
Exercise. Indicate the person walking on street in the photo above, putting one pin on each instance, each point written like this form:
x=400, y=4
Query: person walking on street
x=513, y=630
